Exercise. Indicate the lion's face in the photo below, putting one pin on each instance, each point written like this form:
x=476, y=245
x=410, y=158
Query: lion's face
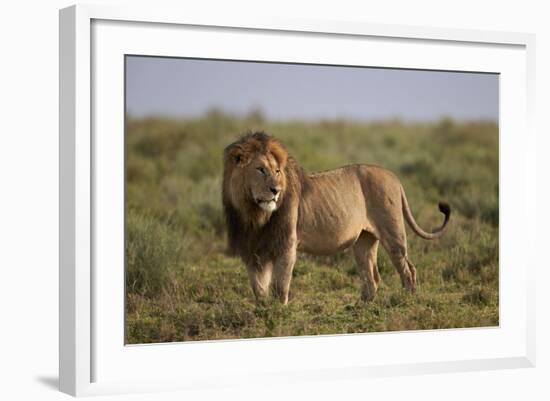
x=255, y=174
x=265, y=181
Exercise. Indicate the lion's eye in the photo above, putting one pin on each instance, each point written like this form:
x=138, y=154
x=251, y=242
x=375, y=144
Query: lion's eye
x=261, y=170
x=278, y=171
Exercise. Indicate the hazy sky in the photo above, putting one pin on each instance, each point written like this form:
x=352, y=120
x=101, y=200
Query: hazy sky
x=186, y=87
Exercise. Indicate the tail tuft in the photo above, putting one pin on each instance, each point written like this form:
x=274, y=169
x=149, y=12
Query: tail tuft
x=445, y=209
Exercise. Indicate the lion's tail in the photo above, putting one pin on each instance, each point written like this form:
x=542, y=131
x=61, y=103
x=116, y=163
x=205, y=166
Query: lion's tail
x=443, y=208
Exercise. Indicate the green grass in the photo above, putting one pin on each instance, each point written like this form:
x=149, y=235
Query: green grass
x=181, y=286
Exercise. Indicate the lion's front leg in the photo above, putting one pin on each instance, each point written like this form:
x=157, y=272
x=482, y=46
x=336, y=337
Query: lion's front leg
x=282, y=272
x=260, y=279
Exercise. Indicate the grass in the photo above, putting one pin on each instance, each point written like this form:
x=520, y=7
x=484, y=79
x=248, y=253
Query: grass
x=181, y=286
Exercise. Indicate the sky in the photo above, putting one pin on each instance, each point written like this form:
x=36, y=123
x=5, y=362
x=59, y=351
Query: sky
x=178, y=87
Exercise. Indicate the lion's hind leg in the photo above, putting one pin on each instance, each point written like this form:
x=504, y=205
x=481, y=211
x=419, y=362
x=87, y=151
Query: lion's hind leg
x=413, y=271
x=376, y=273
x=396, y=247
x=365, y=251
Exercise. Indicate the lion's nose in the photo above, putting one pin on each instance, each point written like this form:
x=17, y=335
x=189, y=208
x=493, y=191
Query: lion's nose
x=275, y=190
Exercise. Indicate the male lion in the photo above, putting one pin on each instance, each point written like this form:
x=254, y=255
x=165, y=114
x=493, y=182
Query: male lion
x=273, y=208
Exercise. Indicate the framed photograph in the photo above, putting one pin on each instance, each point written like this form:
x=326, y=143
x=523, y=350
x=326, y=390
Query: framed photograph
x=300, y=200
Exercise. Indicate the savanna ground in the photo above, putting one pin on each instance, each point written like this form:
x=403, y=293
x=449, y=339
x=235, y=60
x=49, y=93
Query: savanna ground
x=181, y=286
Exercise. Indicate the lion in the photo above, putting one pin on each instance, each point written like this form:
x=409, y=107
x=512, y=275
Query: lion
x=273, y=209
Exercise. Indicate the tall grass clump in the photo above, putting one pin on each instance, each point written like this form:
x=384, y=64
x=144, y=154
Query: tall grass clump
x=152, y=253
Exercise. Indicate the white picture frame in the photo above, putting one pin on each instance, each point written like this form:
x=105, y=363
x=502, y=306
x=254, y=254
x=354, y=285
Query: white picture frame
x=87, y=347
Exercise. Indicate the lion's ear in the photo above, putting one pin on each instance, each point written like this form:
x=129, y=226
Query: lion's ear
x=235, y=154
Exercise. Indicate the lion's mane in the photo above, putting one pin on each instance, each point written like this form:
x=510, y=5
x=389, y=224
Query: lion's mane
x=249, y=237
